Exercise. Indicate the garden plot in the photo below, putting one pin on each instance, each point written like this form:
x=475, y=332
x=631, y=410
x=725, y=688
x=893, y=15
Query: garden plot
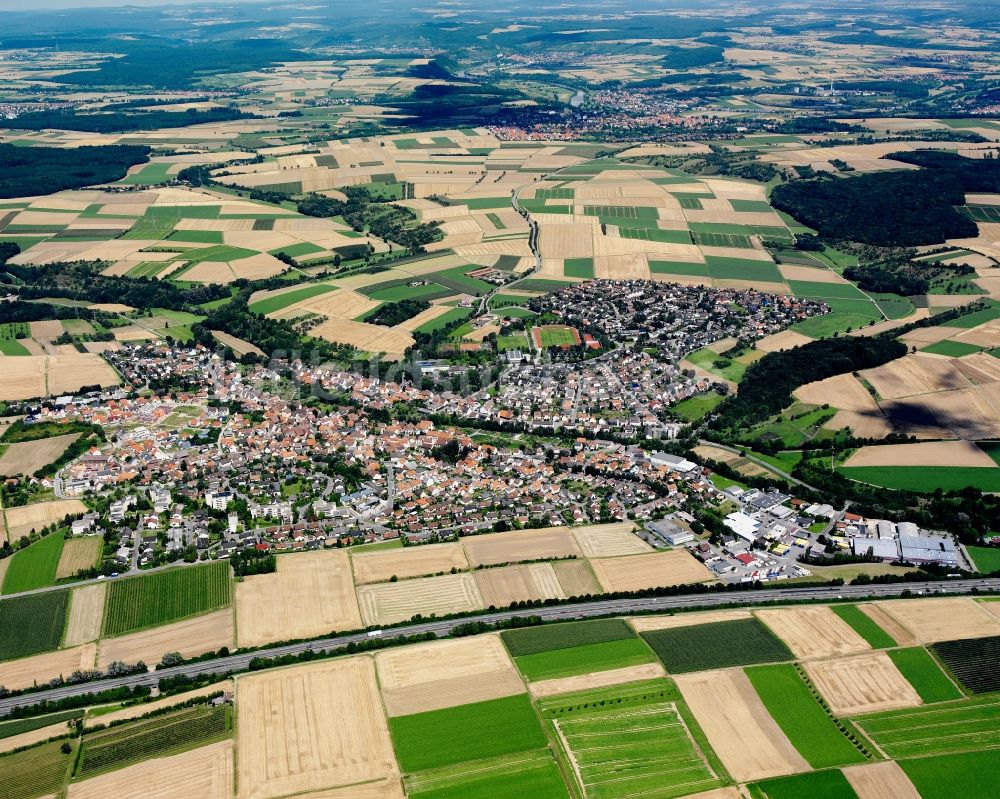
x=310, y=594
x=376, y=567
x=286, y=738
x=942, y=619
x=652, y=570
x=862, y=684
x=416, y=679
x=746, y=739
x=388, y=603
x=813, y=632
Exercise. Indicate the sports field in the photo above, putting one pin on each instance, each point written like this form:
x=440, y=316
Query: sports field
x=554, y=336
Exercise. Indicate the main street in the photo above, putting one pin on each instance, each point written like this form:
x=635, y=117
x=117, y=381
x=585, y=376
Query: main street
x=621, y=607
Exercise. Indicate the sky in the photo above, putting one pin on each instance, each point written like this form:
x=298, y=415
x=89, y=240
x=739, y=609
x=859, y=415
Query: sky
x=34, y=5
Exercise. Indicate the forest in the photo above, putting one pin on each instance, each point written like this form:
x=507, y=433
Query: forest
x=124, y=122
x=395, y=313
x=889, y=209
x=30, y=171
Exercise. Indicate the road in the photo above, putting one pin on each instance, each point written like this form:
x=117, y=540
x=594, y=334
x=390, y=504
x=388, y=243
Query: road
x=239, y=662
x=750, y=457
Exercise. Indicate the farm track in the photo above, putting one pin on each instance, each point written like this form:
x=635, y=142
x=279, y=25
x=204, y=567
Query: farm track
x=622, y=607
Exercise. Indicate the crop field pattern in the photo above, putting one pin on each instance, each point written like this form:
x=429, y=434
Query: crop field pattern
x=631, y=742
x=33, y=772
x=975, y=662
x=32, y=624
x=714, y=646
x=966, y=725
x=148, y=601
x=116, y=747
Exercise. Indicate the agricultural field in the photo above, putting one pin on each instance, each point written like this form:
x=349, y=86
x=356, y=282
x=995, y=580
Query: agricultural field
x=476, y=731
x=78, y=554
x=32, y=623
x=865, y=626
x=190, y=637
x=713, y=646
x=27, y=518
x=921, y=671
x=158, y=736
x=971, y=774
x=634, y=740
x=137, y=603
x=533, y=774
x=27, y=457
x=34, y=772
x=33, y=376
x=864, y=683
x=86, y=614
x=972, y=662
x=943, y=728
x=35, y=566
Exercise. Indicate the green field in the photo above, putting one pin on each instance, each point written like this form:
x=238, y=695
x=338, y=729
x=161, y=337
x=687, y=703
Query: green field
x=972, y=661
x=550, y=637
x=476, y=731
x=952, y=349
x=752, y=206
x=814, y=785
x=716, y=646
x=656, y=234
x=554, y=336
x=34, y=772
x=150, y=175
x=943, y=728
x=987, y=559
x=721, y=268
x=137, y=603
x=864, y=626
x=197, y=236
x=9, y=728
x=976, y=318
x=578, y=267
x=456, y=279
x=721, y=240
x=277, y=302
x=631, y=741
x=119, y=746
x=405, y=292
x=809, y=727
x=489, y=203
x=695, y=408
x=973, y=775
x=924, y=674
x=584, y=659
x=678, y=268
x=925, y=478
x=533, y=775
x=9, y=334
x=34, y=567
x=445, y=319
x=32, y=623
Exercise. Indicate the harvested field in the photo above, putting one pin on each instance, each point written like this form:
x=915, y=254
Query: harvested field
x=237, y=345
x=190, y=637
x=205, y=773
x=388, y=788
x=642, y=624
x=599, y=679
x=287, y=740
x=513, y=547
x=746, y=739
x=914, y=374
x=899, y=633
x=813, y=632
x=23, y=673
x=652, y=570
x=86, y=612
x=945, y=619
x=67, y=373
x=27, y=457
x=938, y=453
x=13, y=742
x=408, y=562
x=135, y=711
x=576, y=577
x=77, y=554
x=366, y=337
x=499, y=587
x=883, y=780
x=609, y=540
x=842, y=391
x=21, y=521
x=47, y=329
x=785, y=340
x=862, y=684
x=23, y=377
x=415, y=679
x=310, y=594
x=388, y=603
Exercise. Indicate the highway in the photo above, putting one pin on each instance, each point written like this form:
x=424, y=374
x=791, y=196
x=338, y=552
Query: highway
x=623, y=607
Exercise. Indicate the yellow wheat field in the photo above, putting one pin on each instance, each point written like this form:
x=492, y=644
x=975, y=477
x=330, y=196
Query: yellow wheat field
x=86, y=612
x=21, y=521
x=77, y=554
x=652, y=570
x=311, y=727
x=813, y=632
x=513, y=547
x=189, y=637
x=311, y=594
x=388, y=603
x=409, y=562
x=23, y=673
x=866, y=683
x=609, y=540
x=501, y=586
x=942, y=619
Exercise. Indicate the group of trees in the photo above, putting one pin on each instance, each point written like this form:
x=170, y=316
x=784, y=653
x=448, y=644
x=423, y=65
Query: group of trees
x=124, y=121
x=30, y=171
x=394, y=313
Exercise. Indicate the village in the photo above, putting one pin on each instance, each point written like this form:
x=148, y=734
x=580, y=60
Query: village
x=231, y=463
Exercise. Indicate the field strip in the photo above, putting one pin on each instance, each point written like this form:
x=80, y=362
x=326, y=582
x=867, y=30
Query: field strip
x=570, y=756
